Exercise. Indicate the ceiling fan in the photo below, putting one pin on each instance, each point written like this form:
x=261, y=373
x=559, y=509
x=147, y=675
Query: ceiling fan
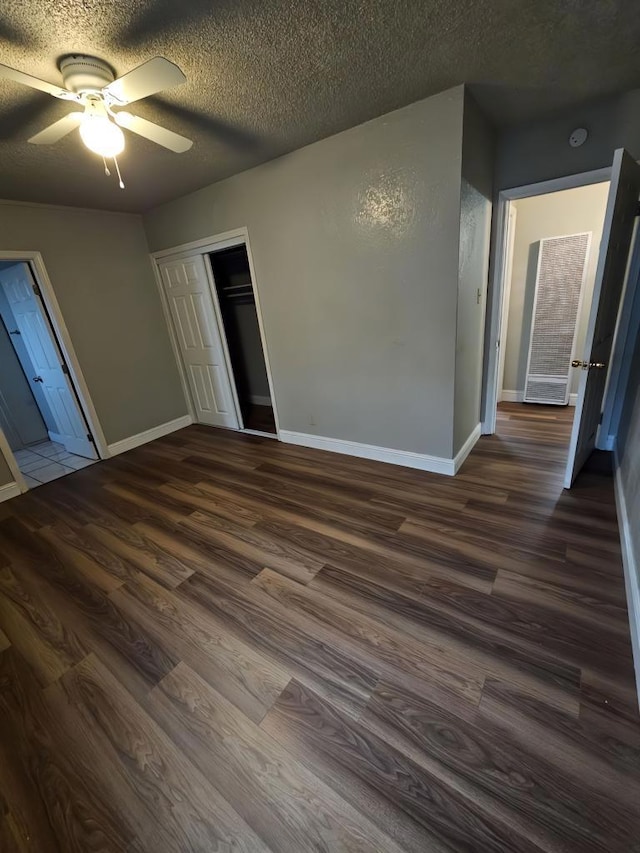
x=90, y=83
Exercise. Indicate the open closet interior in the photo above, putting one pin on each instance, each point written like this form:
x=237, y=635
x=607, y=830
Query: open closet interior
x=236, y=298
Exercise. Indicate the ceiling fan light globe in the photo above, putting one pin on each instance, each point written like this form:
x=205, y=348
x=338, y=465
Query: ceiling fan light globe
x=102, y=136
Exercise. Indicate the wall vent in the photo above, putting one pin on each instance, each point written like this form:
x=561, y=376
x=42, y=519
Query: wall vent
x=562, y=264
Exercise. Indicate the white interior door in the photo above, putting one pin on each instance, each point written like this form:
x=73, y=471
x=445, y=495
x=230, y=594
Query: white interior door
x=617, y=233
x=47, y=362
x=191, y=305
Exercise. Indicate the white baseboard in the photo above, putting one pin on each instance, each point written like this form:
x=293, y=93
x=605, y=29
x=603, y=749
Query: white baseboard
x=631, y=572
x=421, y=461
x=149, y=435
x=257, y=400
x=466, y=448
x=8, y=491
x=518, y=397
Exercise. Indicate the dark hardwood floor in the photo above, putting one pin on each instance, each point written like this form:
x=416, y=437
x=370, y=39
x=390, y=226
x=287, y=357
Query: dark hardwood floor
x=259, y=418
x=221, y=642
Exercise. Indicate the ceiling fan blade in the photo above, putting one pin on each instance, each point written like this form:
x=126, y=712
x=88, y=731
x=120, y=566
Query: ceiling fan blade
x=58, y=129
x=147, y=79
x=35, y=83
x=160, y=135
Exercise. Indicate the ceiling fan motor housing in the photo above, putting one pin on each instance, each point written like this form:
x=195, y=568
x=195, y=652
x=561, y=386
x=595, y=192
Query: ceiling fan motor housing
x=85, y=73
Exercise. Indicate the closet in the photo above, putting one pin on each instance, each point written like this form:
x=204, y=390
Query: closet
x=236, y=298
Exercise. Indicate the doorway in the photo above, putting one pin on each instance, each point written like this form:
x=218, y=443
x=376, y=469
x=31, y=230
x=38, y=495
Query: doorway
x=548, y=291
x=211, y=302
x=236, y=298
x=552, y=335
x=43, y=425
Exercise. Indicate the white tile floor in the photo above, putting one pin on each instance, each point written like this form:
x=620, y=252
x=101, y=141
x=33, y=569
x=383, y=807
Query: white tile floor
x=41, y=463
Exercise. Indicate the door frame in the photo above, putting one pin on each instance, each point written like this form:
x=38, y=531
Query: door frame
x=496, y=319
x=623, y=346
x=56, y=325
x=226, y=240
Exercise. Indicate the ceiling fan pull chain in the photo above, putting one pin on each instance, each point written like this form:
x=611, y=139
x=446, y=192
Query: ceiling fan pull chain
x=119, y=175
x=106, y=168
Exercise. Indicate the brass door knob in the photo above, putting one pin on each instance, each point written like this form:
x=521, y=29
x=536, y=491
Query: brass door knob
x=587, y=365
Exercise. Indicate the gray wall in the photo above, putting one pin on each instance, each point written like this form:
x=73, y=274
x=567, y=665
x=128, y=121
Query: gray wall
x=355, y=246
x=15, y=382
x=99, y=267
x=567, y=212
x=475, y=226
x=541, y=151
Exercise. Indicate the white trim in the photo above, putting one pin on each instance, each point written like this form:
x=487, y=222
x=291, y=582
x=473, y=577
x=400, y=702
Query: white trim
x=507, y=396
x=466, y=448
x=511, y=213
x=8, y=491
x=494, y=330
x=566, y=182
x=257, y=400
x=631, y=571
x=63, y=341
x=421, y=461
x=263, y=339
x=217, y=312
x=16, y=473
x=259, y=433
x=149, y=435
x=226, y=240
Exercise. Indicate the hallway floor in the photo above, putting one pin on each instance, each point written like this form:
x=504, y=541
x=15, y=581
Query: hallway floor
x=220, y=642
x=40, y=463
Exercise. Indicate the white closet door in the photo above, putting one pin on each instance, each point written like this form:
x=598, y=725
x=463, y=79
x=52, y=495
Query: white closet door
x=47, y=362
x=191, y=305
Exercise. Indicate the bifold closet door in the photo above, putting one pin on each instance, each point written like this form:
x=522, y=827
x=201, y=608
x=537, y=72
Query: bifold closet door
x=191, y=305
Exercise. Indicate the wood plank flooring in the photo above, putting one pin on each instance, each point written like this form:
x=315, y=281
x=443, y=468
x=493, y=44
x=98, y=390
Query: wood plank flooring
x=220, y=642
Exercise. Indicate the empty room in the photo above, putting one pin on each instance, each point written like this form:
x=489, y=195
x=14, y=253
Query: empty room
x=319, y=427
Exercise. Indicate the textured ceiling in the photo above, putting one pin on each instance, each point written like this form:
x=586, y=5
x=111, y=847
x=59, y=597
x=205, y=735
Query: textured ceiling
x=269, y=76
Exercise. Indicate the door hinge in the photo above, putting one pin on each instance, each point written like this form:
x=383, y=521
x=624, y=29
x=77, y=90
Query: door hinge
x=90, y=438
x=65, y=369
x=36, y=290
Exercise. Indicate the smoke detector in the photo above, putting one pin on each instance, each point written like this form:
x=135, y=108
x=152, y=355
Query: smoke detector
x=578, y=137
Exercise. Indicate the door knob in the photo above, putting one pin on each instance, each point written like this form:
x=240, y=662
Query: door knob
x=587, y=365
x=37, y=378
